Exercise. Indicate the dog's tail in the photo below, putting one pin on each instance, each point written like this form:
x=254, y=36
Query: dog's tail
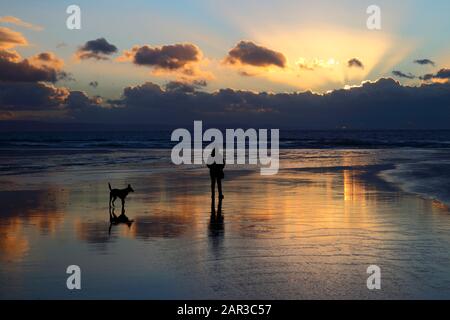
x=109, y=185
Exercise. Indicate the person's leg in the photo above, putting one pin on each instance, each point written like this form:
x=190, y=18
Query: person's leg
x=213, y=187
x=219, y=187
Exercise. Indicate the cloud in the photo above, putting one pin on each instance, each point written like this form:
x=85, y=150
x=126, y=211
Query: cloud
x=306, y=66
x=424, y=62
x=46, y=59
x=41, y=98
x=442, y=75
x=249, y=53
x=10, y=38
x=383, y=104
x=167, y=57
x=427, y=77
x=93, y=84
x=34, y=96
x=356, y=63
x=9, y=55
x=79, y=100
x=38, y=98
x=99, y=49
x=400, y=74
x=18, y=22
x=185, y=87
x=24, y=83
x=65, y=76
x=25, y=87
x=182, y=59
x=314, y=64
x=42, y=67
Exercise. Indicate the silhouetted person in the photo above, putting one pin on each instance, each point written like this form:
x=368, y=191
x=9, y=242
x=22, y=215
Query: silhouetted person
x=116, y=220
x=216, y=165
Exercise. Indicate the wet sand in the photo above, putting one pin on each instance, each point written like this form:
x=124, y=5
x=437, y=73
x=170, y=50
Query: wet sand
x=309, y=232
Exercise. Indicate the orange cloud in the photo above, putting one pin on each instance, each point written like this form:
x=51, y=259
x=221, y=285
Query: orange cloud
x=19, y=22
x=47, y=60
x=10, y=38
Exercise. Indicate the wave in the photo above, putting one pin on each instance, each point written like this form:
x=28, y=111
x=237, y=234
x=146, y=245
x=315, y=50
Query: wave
x=289, y=139
x=429, y=179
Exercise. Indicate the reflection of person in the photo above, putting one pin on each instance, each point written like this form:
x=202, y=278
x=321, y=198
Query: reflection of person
x=216, y=165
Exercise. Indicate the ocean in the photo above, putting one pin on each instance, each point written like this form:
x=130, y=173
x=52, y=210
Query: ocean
x=289, y=139
x=419, y=161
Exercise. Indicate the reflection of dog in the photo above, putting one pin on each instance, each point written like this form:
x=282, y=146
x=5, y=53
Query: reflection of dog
x=116, y=220
x=119, y=219
x=118, y=193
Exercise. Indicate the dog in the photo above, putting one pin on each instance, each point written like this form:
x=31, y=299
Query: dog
x=118, y=193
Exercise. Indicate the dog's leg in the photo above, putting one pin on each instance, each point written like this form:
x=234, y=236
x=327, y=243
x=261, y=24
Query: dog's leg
x=114, y=199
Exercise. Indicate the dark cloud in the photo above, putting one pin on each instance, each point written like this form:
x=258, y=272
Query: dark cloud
x=200, y=83
x=170, y=57
x=78, y=100
x=39, y=97
x=65, y=76
x=441, y=75
x=424, y=62
x=427, y=77
x=24, y=85
x=140, y=95
x=31, y=96
x=45, y=56
x=93, y=84
x=249, y=53
x=355, y=63
x=98, y=49
x=384, y=104
x=400, y=74
x=185, y=87
x=12, y=69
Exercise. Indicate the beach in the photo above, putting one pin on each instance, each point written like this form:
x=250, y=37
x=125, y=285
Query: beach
x=309, y=232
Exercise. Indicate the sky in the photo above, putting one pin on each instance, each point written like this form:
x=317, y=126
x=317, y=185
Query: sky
x=191, y=52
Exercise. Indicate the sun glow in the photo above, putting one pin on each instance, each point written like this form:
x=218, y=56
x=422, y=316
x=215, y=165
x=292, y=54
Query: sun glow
x=317, y=57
